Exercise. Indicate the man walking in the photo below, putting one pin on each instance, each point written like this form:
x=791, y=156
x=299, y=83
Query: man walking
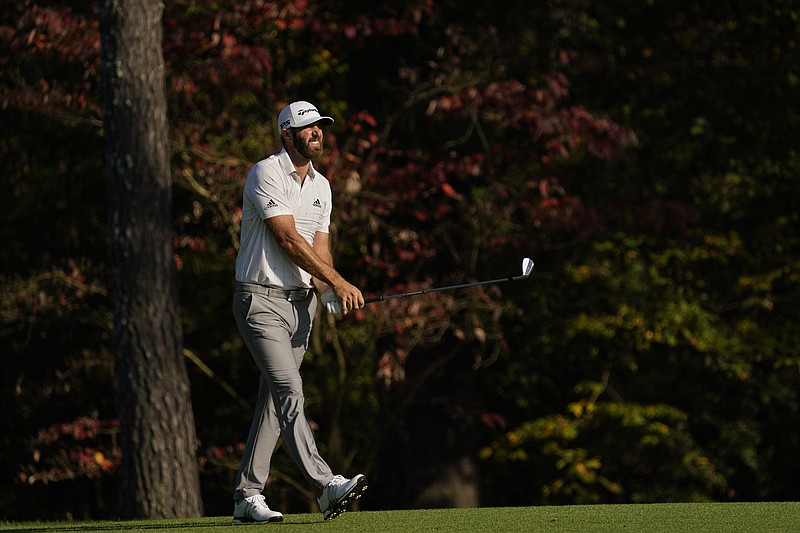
x=284, y=256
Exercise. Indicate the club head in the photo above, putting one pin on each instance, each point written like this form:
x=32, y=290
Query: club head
x=527, y=267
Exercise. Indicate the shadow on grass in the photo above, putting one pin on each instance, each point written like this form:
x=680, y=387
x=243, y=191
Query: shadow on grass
x=137, y=526
x=107, y=526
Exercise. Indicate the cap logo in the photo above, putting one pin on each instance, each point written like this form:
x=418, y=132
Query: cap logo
x=302, y=112
x=285, y=123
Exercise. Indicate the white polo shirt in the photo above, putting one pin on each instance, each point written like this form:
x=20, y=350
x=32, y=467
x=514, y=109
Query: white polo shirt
x=273, y=188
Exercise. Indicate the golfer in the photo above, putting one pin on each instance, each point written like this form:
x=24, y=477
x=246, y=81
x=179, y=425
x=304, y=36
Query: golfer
x=284, y=262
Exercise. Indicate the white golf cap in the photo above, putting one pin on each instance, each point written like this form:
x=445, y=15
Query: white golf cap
x=299, y=114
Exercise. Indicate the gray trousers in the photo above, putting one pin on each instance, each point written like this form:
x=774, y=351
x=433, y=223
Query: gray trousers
x=276, y=332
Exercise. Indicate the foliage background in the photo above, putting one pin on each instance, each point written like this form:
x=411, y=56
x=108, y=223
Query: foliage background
x=644, y=154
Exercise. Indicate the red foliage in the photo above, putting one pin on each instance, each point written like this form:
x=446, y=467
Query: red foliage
x=73, y=37
x=84, y=447
x=62, y=37
x=535, y=111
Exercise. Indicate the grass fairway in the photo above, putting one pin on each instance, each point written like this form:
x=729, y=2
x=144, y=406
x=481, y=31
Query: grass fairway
x=651, y=518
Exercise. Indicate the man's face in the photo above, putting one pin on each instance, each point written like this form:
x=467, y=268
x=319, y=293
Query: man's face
x=308, y=141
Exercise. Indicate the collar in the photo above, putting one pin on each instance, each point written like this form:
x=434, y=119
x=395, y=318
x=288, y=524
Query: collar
x=288, y=168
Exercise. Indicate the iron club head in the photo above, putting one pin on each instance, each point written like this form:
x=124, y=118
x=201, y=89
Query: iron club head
x=527, y=267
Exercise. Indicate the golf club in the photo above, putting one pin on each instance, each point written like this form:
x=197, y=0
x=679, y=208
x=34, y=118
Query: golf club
x=527, y=268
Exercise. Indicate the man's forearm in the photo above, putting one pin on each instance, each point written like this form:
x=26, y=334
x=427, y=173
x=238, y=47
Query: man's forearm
x=321, y=246
x=304, y=256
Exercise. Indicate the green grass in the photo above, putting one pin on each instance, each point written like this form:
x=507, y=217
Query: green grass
x=650, y=518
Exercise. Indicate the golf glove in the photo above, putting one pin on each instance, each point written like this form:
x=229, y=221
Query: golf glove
x=332, y=304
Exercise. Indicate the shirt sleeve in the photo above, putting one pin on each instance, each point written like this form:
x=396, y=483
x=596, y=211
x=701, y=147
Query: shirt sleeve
x=327, y=207
x=267, y=190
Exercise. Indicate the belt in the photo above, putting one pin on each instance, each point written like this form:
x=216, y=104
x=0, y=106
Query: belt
x=292, y=295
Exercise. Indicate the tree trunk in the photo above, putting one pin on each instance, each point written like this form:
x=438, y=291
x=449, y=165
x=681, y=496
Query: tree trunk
x=159, y=474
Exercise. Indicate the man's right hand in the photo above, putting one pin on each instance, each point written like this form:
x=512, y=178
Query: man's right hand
x=349, y=295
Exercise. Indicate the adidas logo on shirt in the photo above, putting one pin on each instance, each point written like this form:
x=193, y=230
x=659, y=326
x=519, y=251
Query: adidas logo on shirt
x=271, y=204
x=317, y=203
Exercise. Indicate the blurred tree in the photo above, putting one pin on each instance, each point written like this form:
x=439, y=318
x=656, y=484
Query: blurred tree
x=682, y=296
x=56, y=315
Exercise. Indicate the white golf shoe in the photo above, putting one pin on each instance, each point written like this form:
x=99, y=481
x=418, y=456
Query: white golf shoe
x=254, y=509
x=340, y=493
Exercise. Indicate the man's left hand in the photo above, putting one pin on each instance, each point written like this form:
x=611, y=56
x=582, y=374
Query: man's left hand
x=332, y=304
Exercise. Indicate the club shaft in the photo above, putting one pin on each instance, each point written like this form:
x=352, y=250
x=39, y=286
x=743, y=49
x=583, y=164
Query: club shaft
x=438, y=289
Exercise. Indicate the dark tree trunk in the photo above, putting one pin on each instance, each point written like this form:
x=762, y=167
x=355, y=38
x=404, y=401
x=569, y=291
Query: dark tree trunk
x=159, y=474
